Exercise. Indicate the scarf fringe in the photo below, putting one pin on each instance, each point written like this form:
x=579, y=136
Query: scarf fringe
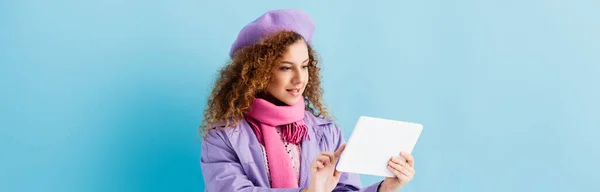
x=294, y=132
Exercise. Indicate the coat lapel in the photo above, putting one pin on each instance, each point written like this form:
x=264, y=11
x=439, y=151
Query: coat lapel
x=311, y=147
x=308, y=155
x=249, y=152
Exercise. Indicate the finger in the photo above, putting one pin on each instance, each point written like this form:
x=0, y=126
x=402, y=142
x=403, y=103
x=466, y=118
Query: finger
x=323, y=159
x=397, y=173
x=403, y=178
x=314, y=166
x=398, y=161
x=320, y=165
x=330, y=156
x=410, y=168
x=409, y=158
x=339, y=151
x=400, y=168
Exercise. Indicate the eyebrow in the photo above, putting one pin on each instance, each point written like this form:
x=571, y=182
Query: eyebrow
x=291, y=63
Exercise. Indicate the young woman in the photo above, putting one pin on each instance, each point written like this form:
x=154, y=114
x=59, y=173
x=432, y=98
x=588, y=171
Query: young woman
x=266, y=127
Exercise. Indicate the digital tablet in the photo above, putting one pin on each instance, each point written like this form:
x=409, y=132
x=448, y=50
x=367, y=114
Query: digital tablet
x=374, y=141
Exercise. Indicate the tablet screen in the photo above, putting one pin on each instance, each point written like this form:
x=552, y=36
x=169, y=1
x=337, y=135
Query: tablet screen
x=374, y=141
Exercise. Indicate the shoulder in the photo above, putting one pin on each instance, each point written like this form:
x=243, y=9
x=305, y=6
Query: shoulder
x=323, y=128
x=222, y=132
x=316, y=120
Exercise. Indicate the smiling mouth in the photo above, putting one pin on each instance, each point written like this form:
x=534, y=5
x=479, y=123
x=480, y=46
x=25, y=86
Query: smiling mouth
x=293, y=90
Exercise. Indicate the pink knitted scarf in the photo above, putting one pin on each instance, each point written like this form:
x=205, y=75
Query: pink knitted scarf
x=264, y=116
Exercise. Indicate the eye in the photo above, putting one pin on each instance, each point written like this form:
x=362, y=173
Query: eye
x=305, y=66
x=285, y=68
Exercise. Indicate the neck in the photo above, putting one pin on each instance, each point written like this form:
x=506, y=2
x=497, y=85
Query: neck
x=270, y=98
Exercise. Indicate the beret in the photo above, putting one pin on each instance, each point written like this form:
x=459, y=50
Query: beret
x=271, y=22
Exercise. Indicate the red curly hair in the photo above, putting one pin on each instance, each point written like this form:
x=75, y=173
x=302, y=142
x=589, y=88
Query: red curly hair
x=248, y=74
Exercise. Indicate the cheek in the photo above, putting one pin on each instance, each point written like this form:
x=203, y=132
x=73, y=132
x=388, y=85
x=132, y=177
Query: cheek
x=275, y=82
x=307, y=79
x=305, y=75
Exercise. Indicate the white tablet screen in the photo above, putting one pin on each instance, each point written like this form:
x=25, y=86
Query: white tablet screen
x=374, y=141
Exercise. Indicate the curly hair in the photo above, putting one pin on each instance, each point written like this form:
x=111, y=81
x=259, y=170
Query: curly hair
x=248, y=74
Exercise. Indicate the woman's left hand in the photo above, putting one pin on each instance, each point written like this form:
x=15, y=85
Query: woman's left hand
x=404, y=171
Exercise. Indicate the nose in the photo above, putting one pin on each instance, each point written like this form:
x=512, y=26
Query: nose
x=299, y=77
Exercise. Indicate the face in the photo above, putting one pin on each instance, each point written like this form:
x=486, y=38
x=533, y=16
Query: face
x=289, y=79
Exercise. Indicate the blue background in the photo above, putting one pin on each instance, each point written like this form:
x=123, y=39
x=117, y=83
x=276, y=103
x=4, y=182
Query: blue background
x=107, y=95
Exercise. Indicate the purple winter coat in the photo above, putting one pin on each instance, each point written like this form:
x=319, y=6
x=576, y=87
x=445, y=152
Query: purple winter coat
x=232, y=159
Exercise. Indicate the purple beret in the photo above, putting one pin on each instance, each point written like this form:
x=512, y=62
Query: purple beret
x=272, y=22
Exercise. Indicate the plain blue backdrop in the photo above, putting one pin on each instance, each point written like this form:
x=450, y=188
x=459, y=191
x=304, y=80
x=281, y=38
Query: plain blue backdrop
x=107, y=95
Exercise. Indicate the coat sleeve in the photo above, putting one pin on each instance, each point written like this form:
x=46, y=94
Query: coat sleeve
x=222, y=170
x=348, y=181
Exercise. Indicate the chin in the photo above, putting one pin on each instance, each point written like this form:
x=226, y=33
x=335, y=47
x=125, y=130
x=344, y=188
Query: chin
x=292, y=101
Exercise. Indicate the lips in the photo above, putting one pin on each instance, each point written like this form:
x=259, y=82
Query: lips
x=293, y=90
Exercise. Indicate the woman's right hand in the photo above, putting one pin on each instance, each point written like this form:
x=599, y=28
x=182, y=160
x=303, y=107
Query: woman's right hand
x=324, y=177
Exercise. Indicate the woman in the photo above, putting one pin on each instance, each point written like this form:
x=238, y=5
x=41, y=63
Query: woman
x=265, y=126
